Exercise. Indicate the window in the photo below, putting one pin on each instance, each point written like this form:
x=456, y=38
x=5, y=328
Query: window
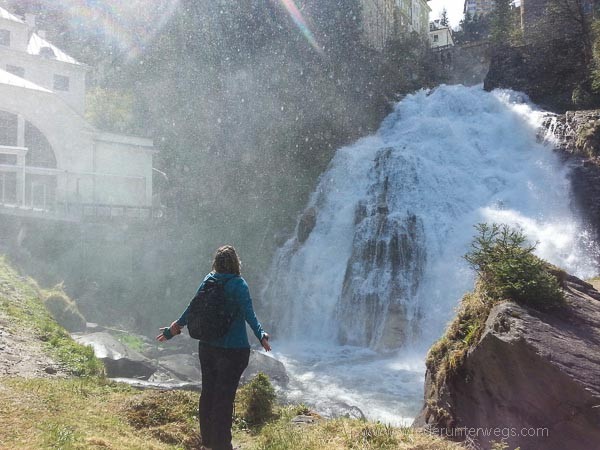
x=5, y=37
x=47, y=52
x=40, y=152
x=61, y=83
x=436, y=38
x=16, y=70
x=8, y=128
x=8, y=159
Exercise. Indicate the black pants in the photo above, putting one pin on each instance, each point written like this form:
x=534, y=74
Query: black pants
x=221, y=372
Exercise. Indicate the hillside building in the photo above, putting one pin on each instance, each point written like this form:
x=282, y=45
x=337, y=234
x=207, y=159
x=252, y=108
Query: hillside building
x=53, y=163
x=440, y=36
x=478, y=7
x=386, y=20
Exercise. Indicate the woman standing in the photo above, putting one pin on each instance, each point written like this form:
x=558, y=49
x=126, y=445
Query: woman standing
x=223, y=359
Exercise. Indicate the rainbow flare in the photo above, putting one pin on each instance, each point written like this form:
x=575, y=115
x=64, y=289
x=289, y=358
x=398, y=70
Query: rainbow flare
x=300, y=22
x=129, y=25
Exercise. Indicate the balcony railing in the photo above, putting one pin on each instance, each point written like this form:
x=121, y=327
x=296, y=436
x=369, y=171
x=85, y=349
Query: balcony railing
x=73, y=196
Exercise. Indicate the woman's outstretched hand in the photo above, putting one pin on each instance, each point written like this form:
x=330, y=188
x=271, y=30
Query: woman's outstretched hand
x=161, y=337
x=265, y=342
x=175, y=329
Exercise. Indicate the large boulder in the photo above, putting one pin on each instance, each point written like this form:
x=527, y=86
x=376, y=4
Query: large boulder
x=533, y=379
x=119, y=360
x=260, y=362
x=185, y=367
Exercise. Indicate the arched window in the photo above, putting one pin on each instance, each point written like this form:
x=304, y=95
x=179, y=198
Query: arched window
x=40, y=152
x=8, y=129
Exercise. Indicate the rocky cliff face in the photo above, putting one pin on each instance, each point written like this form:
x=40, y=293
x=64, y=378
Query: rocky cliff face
x=548, y=73
x=534, y=377
x=577, y=134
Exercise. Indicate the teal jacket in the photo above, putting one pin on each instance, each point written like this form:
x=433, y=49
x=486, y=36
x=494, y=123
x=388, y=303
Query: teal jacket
x=235, y=289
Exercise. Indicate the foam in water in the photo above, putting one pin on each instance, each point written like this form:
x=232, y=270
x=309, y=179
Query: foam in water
x=357, y=303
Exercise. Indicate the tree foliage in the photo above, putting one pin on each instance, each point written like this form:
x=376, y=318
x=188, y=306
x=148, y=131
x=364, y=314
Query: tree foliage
x=571, y=19
x=502, y=22
x=444, y=18
x=509, y=270
x=472, y=29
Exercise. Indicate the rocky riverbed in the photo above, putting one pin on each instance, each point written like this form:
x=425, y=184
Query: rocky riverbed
x=173, y=365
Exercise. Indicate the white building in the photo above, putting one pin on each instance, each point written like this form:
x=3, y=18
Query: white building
x=52, y=162
x=478, y=7
x=386, y=20
x=440, y=36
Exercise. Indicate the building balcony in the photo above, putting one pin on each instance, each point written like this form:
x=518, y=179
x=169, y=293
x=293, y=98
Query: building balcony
x=51, y=193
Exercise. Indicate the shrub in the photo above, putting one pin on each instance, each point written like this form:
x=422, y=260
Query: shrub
x=254, y=402
x=65, y=311
x=509, y=270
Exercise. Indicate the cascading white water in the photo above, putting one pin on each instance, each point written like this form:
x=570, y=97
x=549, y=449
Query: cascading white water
x=376, y=269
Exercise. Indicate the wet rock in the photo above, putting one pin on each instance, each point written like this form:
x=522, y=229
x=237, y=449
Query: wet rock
x=119, y=360
x=577, y=135
x=530, y=370
x=260, y=362
x=387, y=252
x=306, y=224
x=303, y=419
x=576, y=132
x=340, y=409
x=160, y=385
x=185, y=367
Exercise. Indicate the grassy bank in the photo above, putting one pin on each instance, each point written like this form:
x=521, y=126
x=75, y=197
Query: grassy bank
x=22, y=303
x=94, y=414
x=85, y=414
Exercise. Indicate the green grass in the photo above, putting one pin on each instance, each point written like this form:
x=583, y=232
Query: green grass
x=22, y=300
x=88, y=413
x=133, y=342
x=91, y=413
x=341, y=434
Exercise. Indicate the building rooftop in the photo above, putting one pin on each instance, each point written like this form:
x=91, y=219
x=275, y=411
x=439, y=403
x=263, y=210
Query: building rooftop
x=38, y=46
x=4, y=14
x=13, y=80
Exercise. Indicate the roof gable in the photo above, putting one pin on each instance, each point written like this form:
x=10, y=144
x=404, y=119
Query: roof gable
x=37, y=45
x=13, y=80
x=4, y=14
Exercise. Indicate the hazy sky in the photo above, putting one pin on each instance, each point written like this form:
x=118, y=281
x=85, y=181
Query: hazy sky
x=454, y=7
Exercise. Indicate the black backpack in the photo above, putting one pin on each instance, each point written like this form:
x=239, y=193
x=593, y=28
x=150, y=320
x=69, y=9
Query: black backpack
x=211, y=314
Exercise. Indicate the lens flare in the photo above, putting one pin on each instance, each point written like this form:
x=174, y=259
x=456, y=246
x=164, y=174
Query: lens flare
x=300, y=22
x=130, y=26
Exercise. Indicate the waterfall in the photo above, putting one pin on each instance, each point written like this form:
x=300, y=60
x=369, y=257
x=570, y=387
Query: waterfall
x=376, y=264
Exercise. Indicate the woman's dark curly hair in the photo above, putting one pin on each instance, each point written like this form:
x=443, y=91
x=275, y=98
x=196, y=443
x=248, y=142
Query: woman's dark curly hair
x=227, y=261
